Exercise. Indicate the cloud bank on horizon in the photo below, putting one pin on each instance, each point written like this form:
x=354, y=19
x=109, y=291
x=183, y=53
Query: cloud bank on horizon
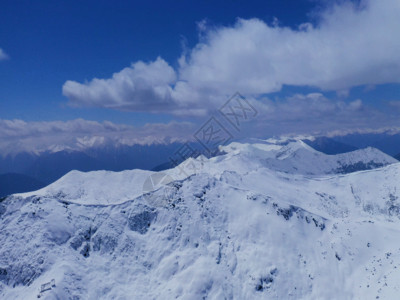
x=19, y=136
x=351, y=45
x=317, y=115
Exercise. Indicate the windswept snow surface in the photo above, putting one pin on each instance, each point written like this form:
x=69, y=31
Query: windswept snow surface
x=266, y=220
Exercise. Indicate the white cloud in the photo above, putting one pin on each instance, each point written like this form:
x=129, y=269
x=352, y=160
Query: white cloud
x=350, y=46
x=139, y=87
x=3, y=55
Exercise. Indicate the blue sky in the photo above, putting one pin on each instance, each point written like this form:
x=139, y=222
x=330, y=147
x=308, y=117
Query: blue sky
x=177, y=61
x=50, y=42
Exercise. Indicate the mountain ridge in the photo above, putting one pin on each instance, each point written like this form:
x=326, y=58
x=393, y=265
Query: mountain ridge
x=231, y=226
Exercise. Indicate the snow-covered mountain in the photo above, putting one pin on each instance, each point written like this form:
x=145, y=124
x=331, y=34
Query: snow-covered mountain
x=265, y=220
x=296, y=157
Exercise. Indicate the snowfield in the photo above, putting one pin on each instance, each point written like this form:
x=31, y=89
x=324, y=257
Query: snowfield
x=266, y=220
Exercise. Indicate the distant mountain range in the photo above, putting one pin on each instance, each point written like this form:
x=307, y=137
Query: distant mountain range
x=11, y=183
x=47, y=166
x=329, y=146
x=388, y=142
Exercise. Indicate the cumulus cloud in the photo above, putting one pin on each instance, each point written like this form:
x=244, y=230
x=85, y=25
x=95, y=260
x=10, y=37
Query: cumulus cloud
x=350, y=45
x=3, y=55
x=139, y=87
x=17, y=135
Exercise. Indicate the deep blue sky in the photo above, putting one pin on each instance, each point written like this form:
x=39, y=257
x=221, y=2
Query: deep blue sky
x=49, y=42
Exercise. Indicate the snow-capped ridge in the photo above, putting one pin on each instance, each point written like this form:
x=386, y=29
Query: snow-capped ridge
x=96, y=187
x=291, y=156
x=247, y=224
x=296, y=157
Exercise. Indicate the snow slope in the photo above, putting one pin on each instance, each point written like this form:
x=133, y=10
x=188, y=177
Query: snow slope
x=266, y=220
